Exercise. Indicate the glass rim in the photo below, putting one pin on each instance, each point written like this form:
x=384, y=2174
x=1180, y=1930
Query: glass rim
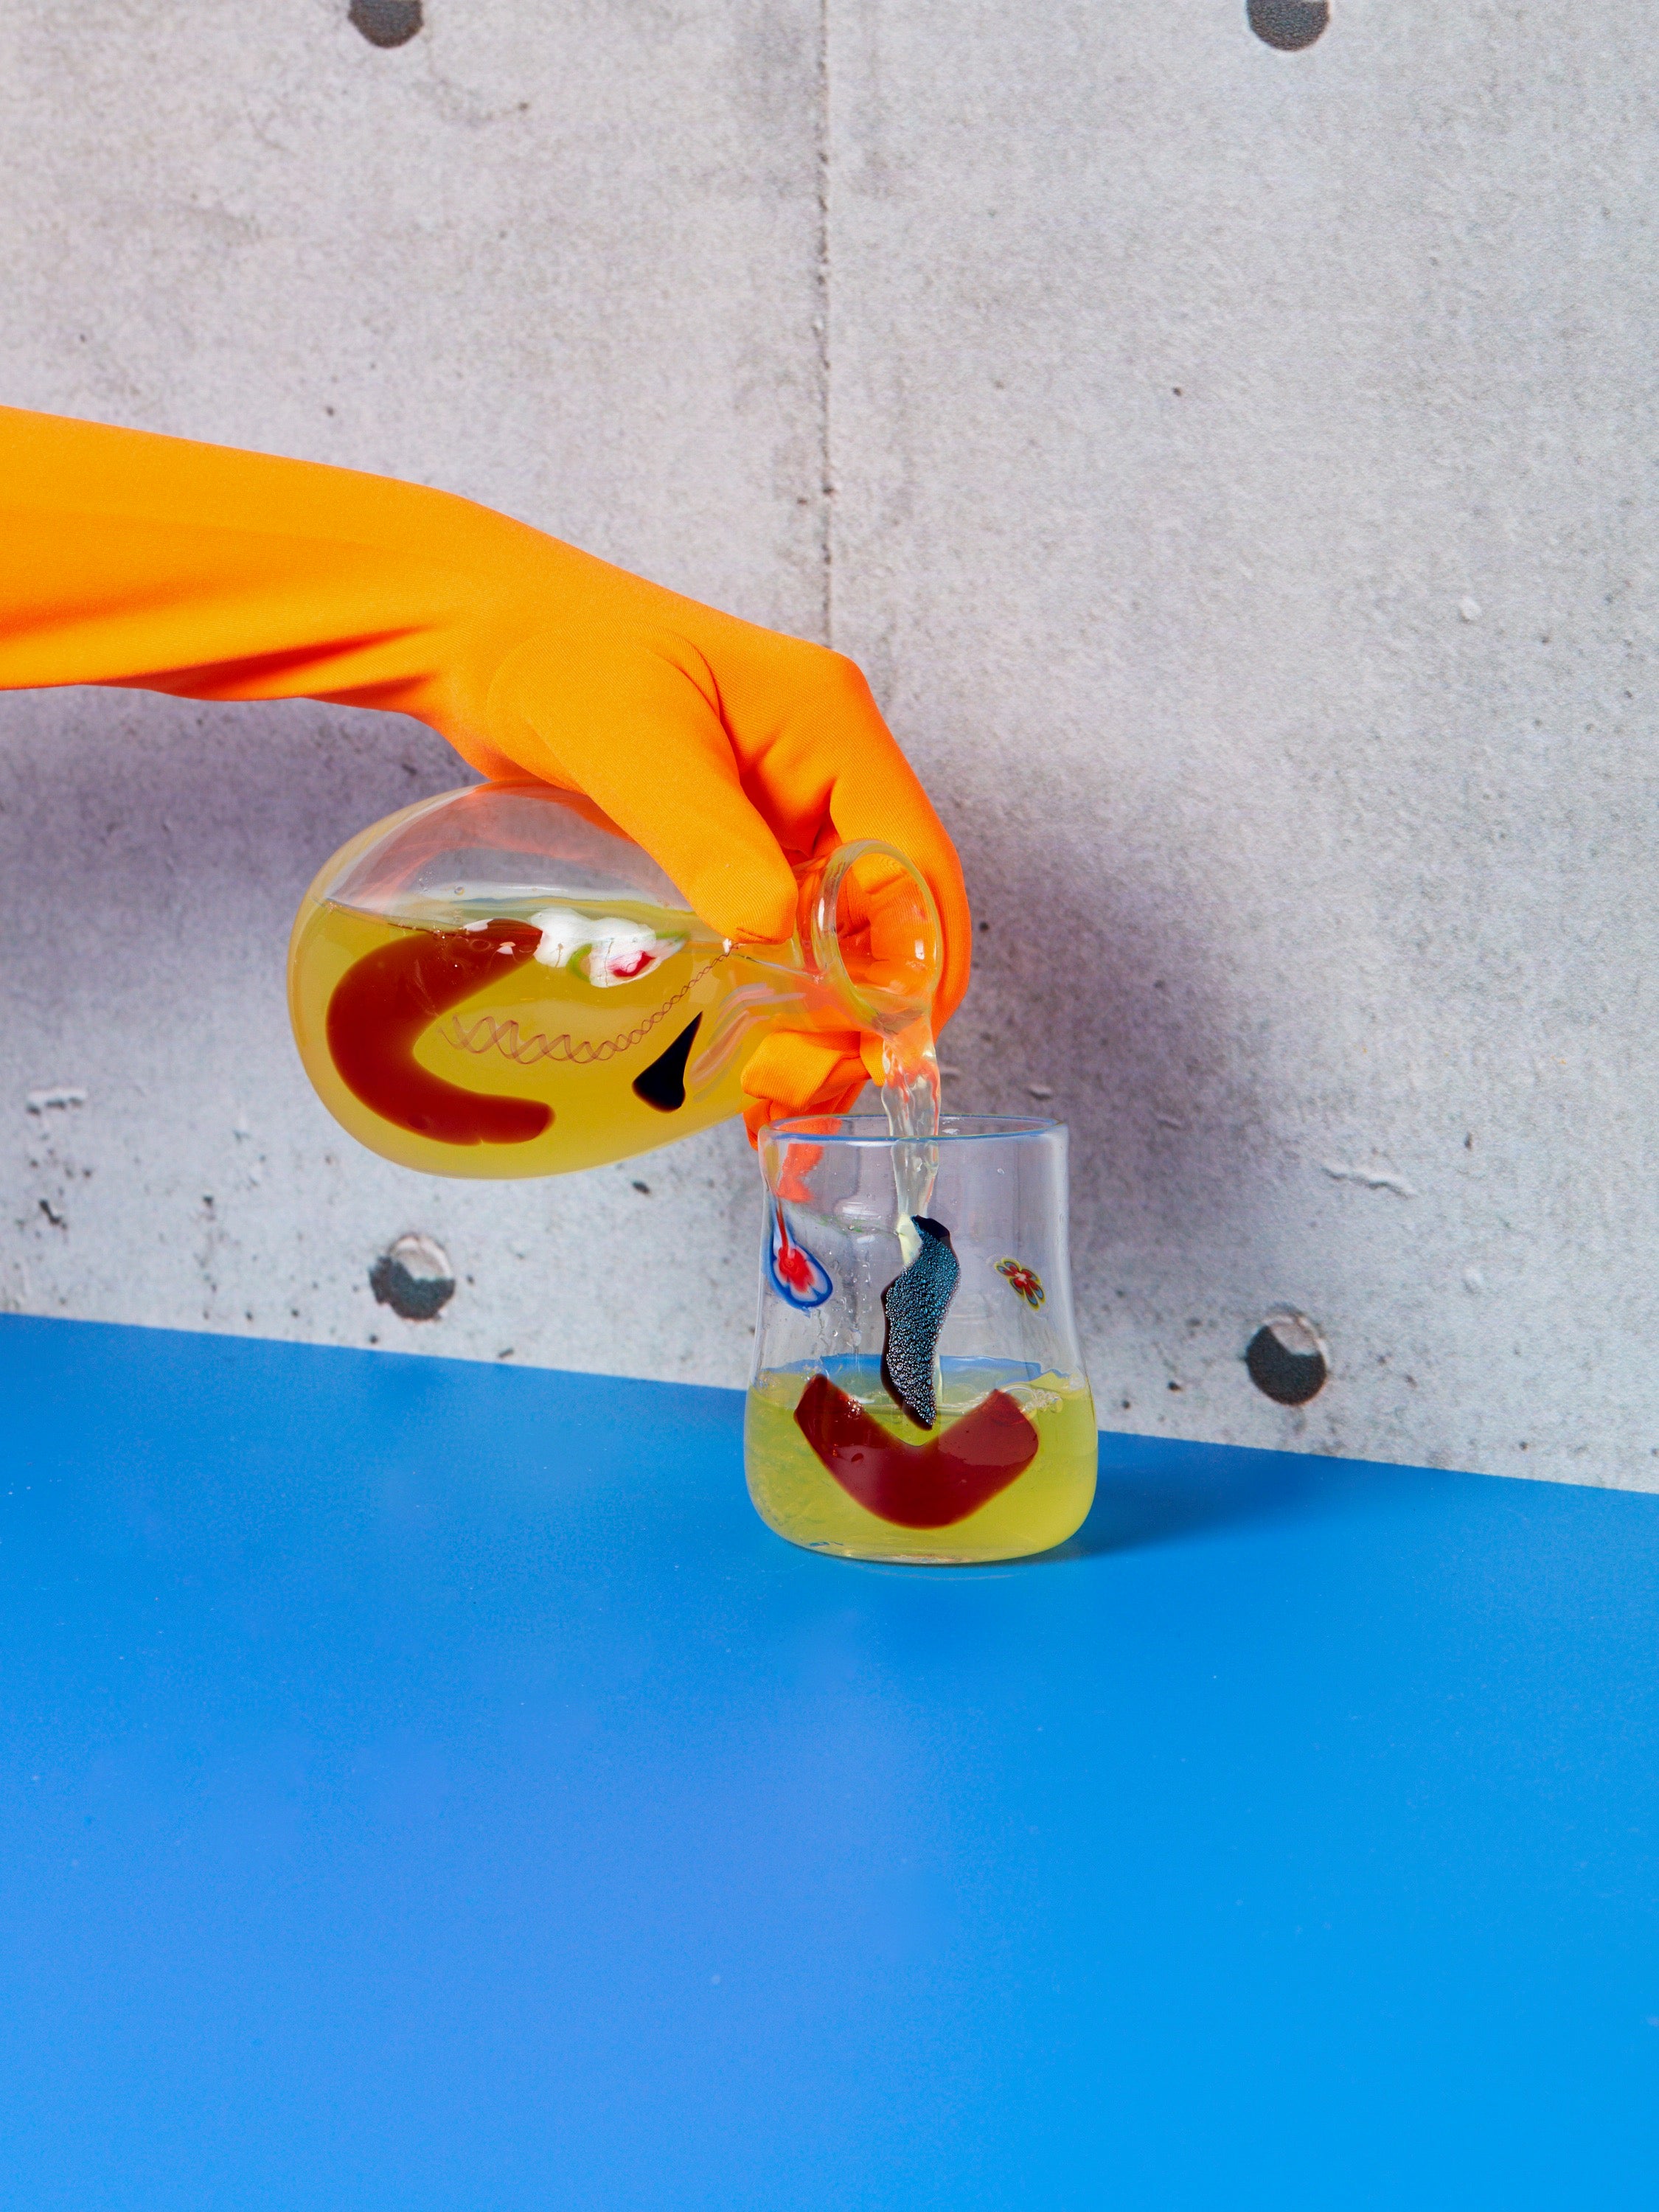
x=871, y=1129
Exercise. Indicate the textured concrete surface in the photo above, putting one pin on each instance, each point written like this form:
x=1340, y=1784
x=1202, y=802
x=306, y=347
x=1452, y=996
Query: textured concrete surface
x=1240, y=470
x=1245, y=507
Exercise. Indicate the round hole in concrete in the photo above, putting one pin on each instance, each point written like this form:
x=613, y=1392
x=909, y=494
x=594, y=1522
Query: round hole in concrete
x=414, y=1277
x=387, y=23
x=1287, y=1359
x=1289, y=25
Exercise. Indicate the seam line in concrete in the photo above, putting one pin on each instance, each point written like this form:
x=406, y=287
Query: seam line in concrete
x=826, y=474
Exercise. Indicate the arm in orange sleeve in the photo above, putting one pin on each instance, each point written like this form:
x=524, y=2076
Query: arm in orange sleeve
x=726, y=750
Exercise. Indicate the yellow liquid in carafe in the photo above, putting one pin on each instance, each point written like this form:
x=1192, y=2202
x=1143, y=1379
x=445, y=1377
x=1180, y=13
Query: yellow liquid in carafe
x=435, y=1020
x=796, y=1494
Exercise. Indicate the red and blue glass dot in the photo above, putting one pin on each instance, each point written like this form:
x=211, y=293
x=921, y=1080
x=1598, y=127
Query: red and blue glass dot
x=798, y=1276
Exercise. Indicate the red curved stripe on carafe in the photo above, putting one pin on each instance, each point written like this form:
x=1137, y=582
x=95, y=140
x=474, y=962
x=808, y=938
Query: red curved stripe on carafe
x=382, y=1004
x=917, y=1485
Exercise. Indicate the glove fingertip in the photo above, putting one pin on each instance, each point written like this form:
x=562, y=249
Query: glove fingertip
x=749, y=895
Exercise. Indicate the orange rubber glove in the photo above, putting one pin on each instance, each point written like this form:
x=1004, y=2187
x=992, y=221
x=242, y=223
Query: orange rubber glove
x=725, y=749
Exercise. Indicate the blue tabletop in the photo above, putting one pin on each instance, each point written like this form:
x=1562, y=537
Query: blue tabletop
x=428, y=1785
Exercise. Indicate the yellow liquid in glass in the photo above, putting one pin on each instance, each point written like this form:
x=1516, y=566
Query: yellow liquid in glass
x=796, y=1494
x=533, y=1032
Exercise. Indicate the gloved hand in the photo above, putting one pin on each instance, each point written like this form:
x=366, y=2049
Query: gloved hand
x=725, y=749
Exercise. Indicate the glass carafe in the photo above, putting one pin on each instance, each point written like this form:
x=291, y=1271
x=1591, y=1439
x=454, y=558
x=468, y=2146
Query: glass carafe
x=918, y=1393
x=497, y=982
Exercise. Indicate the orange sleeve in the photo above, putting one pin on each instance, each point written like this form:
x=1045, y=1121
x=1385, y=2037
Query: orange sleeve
x=168, y=566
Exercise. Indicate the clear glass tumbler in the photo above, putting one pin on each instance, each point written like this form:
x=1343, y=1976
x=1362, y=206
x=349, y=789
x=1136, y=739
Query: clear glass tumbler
x=946, y=1419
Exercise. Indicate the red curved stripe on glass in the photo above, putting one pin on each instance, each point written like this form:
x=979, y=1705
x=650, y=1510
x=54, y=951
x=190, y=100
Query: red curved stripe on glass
x=917, y=1485
x=384, y=1001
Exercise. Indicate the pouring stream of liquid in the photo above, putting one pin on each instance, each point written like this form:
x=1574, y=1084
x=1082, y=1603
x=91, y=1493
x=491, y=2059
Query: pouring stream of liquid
x=909, y=1092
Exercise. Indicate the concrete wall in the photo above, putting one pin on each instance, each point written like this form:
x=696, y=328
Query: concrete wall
x=1234, y=467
